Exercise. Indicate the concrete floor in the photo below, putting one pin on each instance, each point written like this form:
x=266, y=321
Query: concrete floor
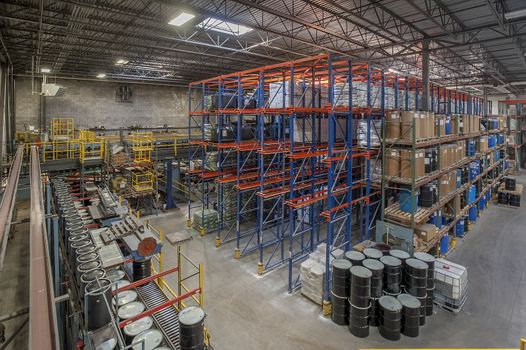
x=246, y=311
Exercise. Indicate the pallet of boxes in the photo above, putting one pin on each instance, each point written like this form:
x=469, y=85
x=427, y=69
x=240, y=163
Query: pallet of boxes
x=312, y=274
x=509, y=192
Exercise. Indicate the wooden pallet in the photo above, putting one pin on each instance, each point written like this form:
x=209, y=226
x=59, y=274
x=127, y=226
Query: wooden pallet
x=394, y=213
x=506, y=205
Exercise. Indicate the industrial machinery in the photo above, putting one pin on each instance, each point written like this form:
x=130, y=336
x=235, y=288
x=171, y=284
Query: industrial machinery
x=109, y=264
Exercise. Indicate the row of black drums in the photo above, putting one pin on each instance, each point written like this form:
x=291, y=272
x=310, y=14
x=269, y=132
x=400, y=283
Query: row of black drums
x=393, y=292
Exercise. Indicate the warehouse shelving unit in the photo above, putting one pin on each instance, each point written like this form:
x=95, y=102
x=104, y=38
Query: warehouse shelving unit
x=298, y=174
x=397, y=226
x=514, y=111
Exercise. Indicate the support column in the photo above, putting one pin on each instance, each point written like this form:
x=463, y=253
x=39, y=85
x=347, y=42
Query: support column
x=170, y=203
x=485, y=111
x=425, y=75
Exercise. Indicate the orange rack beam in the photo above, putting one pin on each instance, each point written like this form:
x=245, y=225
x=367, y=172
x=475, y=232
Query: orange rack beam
x=326, y=213
x=367, y=155
x=310, y=198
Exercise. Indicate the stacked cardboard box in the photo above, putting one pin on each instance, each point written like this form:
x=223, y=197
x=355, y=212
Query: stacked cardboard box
x=440, y=125
x=482, y=144
x=406, y=162
x=312, y=273
x=426, y=232
x=423, y=123
x=447, y=183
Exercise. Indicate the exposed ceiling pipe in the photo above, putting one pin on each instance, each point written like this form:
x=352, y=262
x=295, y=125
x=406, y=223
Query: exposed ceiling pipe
x=124, y=81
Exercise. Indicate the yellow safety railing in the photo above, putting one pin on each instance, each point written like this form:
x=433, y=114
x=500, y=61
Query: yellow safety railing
x=27, y=136
x=195, y=277
x=86, y=135
x=91, y=150
x=142, y=147
x=55, y=150
x=142, y=180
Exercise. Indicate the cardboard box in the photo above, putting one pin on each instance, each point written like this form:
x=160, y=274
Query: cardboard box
x=482, y=145
x=440, y=125
x=405, y=163
x=422, y=127
x=393, y=163
x=443, y=183
x=454, y=124
x=426, y=232
x=393, y=125
x=407, y=120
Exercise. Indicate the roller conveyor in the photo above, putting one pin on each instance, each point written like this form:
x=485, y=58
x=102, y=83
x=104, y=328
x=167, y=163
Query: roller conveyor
x=167, y=319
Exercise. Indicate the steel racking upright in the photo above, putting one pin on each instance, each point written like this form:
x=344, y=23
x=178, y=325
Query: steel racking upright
x=299, y=167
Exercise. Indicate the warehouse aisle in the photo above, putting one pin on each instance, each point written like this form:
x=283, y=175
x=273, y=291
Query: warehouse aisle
x=246, y=311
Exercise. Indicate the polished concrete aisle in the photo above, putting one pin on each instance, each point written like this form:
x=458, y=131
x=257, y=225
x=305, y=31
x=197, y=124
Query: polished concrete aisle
x=246, y=311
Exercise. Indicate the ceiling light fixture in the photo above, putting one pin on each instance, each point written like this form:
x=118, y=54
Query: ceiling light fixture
x=181, y=19
x=121, y=62
x=101, y=75
x=45, y=70
x=223, y=26
x=515, y=14
x=392, y=70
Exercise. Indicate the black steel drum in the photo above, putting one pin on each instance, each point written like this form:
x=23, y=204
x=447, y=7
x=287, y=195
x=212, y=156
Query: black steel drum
x=339, y=310
x=360, y=286
x=390, y=317
x=415, y=277
x=372, y=253
x=341, y=277
x=503, y=198
x=354, y=257
x=510, y=183
x=142, y=269
x=191, y=323
x=392, y=274
x=374, y=313
x=359, y=321
x=429, y=301
x=410, y=315
x=430, y=261
x=85, y=267
x=98, y=303
x=90, y=276
x=377, y=269
x=515, y=200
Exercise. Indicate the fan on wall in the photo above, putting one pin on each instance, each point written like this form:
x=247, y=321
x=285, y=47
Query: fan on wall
x=123, y=94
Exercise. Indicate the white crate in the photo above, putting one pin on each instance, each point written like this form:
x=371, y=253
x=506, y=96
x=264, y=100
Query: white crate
x=451, y=279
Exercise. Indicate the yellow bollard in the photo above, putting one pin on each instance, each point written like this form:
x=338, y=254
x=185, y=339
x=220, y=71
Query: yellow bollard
x=326, y=308
x=237, y=254
x=189, y=223
x=260, y=268
x=218, y=242
x=202, y=231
